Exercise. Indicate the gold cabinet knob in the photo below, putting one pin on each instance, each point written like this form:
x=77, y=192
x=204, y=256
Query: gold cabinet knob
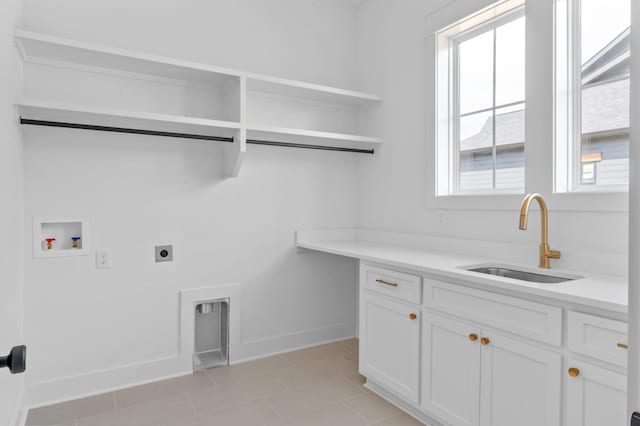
x=485, y=341
x=412, y=316
x=574, y=372
x=623, y=346
x=473, y=337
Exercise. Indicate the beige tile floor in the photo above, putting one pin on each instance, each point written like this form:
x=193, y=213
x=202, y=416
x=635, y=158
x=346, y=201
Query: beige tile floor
x=318, y=386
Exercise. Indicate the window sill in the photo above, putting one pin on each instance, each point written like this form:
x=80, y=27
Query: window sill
x=570, y=202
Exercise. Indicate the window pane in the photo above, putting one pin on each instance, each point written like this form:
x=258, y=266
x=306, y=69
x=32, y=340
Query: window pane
x=510, y=60
x=476, y=73
x=476, y=152
x=605, y=48
x=510, y=147
x=601, y=22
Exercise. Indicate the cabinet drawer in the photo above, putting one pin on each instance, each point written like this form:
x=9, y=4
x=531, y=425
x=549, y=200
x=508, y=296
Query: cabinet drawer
x=598, y=337
x=527, y=319
x=391, y=283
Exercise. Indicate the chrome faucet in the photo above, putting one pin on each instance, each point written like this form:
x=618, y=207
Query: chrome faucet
x=545, y=251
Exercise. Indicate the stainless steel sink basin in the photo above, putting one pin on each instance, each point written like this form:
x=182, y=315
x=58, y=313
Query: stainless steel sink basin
x=522, y=275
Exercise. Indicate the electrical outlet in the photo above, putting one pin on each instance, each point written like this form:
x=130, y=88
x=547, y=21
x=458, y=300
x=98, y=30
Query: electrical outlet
x=103, y=258
x=164, y=253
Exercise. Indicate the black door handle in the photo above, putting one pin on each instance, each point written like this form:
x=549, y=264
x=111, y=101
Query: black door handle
x=16, y=361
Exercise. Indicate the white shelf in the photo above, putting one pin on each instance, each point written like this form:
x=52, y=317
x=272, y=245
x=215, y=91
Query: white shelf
x=311, y=137
x=81, y=114
x=286, y=109
x=309, y=91
x=36, y=47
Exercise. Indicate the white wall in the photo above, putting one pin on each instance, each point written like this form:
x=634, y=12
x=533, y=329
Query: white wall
x=634, y=225
x=11, y=260
x=394, y=185
x=141, y=191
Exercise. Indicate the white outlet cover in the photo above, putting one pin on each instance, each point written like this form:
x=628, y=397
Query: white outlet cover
x=103, y=258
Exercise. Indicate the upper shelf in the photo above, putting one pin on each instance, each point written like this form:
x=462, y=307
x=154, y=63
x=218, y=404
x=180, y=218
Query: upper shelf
x=34, y=47
x=308, y=91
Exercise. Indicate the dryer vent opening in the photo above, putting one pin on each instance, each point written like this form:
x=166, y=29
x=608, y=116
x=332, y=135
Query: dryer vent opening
x=211, y=346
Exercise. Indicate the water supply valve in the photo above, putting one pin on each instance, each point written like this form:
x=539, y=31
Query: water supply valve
x=75, y=241
x=49, y=243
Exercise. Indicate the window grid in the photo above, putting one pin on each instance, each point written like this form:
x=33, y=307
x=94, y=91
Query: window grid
x=455, y=42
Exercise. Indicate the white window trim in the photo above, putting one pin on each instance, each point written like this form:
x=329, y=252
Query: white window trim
x=448, y=42
x=539, y=132
x=454, y=107
x=568, y=89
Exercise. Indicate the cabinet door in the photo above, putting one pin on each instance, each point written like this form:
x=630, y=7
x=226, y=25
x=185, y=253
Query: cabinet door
x=521, y=383
x=595, y=396
x=451, y=369
x=390, y=344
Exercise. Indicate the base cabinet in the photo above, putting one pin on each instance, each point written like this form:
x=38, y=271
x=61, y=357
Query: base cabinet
x=474, y=376
x=521, y=383
x=390, y=344
x=444, y=360
x=451, y=369
x=595, y=396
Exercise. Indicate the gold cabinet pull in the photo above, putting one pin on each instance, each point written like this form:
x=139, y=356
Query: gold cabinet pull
x=380, y=281
x=623, y=346
x=485, y=341
x=412, y=316
x=574, y=372
x=473, y=337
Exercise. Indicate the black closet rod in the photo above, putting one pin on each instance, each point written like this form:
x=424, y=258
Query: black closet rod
x=184, y=135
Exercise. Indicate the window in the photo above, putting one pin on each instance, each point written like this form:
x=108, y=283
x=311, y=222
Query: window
x=592, y=95
x=481, y=103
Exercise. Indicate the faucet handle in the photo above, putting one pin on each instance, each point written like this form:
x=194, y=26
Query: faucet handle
x=553, y=254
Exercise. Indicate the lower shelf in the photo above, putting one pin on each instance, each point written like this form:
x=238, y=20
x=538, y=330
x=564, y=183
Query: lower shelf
x=209, y=359
x=311, y=137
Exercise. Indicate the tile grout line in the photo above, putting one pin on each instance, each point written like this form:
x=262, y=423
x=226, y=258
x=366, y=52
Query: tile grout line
x=343, y=403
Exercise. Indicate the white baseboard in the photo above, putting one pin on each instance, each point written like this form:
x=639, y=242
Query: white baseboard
x=101, y=381
x=260, y=348
x=21, y=410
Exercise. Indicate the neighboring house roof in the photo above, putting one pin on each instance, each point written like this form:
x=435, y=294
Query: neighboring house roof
x=611, y=62
x=605, y=99
x=605, y=107
x=509, y=129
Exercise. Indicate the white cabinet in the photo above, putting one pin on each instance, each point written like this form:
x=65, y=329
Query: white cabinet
x=600, y=338
x=390, y=344
x=396, y=284
x=474, y=376
x=595, y=396
x=521, y=383
x=469, y=357
x=451, y=369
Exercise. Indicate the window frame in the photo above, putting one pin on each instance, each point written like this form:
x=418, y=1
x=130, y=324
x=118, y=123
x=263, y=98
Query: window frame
x=517, y=12
x=568, y=89
x=448, y=82
x=540, y=88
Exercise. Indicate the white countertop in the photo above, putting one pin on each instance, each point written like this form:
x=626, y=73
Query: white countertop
x=607, y=292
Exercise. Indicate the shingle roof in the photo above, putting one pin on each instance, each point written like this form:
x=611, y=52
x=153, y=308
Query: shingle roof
x=605, y=107
x=509, y=131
